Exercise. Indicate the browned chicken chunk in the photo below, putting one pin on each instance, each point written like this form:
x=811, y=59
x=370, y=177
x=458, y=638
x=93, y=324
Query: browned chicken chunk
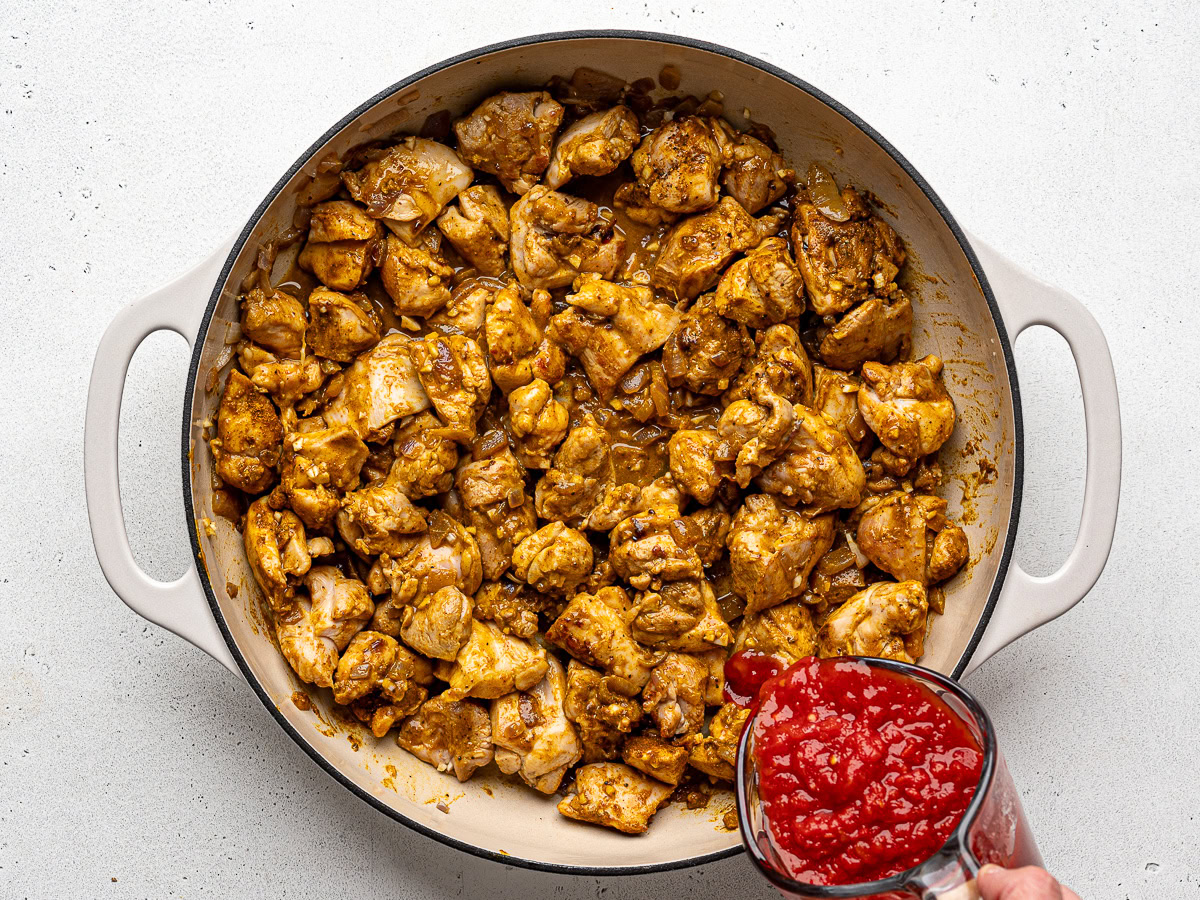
x=705, y=350
x=835, y=396
x=455, y=376
x=786, y=632
x=379, y=519
x=655, y=757
x=532, y=734
x=772, y=550
x=594, y=628
x=317, y=468
x=614, y=795
x=509, y=135
x=538, y=423
x=715, y=754
x=478, y=228
x=696, y=250
x=512, y=606
x=339, y=327
x=886, y=620
x=677, y=166
x=679, y=689
x=246, y=448
x=593, y=145
x=879, y=328
x=450, y=735
x=650, y=548
x=554, y=559
x=755, y=175
x=518, y=351
x=907, y=406
x=762, y=288
x=581, y=472
x=818, y=468
x=416, y=277
x=699, y=460
x=275, y=321
x=341, y=244
x=492, y=493
x=910, y=538
x=492, y=664
x=555, y=237
x=425, y=457
x=781, y=363
x=681, y=615
x=465, y=311
x=603, y=707
x=379, y=387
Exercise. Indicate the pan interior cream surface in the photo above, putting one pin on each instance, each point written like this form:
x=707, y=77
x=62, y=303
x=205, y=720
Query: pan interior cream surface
x=491, y=815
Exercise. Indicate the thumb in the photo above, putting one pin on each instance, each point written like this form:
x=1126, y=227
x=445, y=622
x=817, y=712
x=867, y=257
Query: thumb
x=1028, y=883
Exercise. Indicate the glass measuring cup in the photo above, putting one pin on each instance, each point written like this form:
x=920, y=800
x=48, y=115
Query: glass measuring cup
x=993, y=828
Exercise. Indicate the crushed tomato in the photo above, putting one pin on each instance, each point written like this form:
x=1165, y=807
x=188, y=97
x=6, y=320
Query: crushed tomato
x=862, y=772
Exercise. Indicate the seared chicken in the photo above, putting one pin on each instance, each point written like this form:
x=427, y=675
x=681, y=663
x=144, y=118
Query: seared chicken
x=772, y=550
x=246, y=448
x=677, y=166
x=715, y=754
x=781, y=363
x=492, y=493
x=818, y=468
x=341, y=244
x=555, y=237
x=438, y=624
x=450, y=735
x=425, y=457
x=610, y=326
x=786, y=632
x=363, y=665
x=594, y=628
x=553, y=559
x=835, y=396
x=492, y=664
x=879, y=328
x=581, y=472
x=379, y=387
x=887, y=620
x=907, y=406
x=649, y=549
x=762, y=288
x=843, y=249
x=614, y=795
x=478, y=228
x=532, y=734
x=755, y=175
x=679, y=689
x=455, y=377
x=341, y=607
x=593, y=145
x=410, y=184
x=286, y=380
x=655, y=757
x=275, y=548
x=317, y=468
x=512, y=606
x=339, y=327
x=518, y=351
x=538, y=423
x=379, y=519
x=699, y=460
x=465, y=311
x=416, y=277
x=696, y=250
x=509, y=135
x=275, y=321
x=705, y=350
x=681, y=615
x=382, y=680
x=603, y=707
x=910, y=538
x=760, y=430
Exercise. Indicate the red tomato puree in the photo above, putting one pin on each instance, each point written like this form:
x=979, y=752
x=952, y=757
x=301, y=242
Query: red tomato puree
x=862, y=773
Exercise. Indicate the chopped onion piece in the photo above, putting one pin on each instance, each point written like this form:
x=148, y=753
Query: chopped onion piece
x=823, y=191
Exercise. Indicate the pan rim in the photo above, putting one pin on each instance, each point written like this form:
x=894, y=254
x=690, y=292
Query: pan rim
x=546, y=38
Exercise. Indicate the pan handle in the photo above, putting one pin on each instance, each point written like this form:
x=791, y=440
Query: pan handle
x=1027, y=601
x=179, y=606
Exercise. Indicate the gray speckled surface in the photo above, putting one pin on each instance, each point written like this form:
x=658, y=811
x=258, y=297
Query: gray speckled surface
x=134, y=137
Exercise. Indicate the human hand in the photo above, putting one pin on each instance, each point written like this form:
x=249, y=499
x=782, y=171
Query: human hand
x=1028, y=883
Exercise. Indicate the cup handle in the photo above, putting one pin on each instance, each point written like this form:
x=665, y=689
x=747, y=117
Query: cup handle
x=1027, y=601
x=179, y=606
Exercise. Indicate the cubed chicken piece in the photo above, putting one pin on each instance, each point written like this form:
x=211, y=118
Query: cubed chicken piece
x=755, y=175
x=681, y=615
x=715, y=754
x=760, y=429
x=614, y=795
x=455, y=377
x=699, y=463
x=533, y=736
x=818, y=468
x=554, y=559
x=844, y=250
x=554, y=237
x=509, y=135
x=478, y=228
x=379, y=519
x=438, y=624
x=763, y=288
x=887, y=620
x=379, y=387
x=410, y=184
x=907, y=406
x=594, y=628
x=711, y=525
x=275, y=321
x=286, y=380
x=340, y=249
x=341, y=327
x=697, y=250
x=705, y=350
x=492, y=664
x=341, y=606
x=317, y=468
x=384, y=694
x=620, y=501
x=835, y=396
x=417, y=278
x=594, y=145
x=781, y=363
x=518, y=350
x=425, y=457
x=582, y=471
x=650, y=548
x=677, y=166
x=465, y=311
x=879, y=329
x=275, y=548
x=786, y=632
x=655, y=757
x=312, y=657
x=538, y=423
x=609, y=327
x=772, y=550
x=910, y=538
x=445, y=556
x=246, y=447
x=604, y=708
x=363, y=665
x=679, y=689
x=512, y=606
x=492, y=495
x=450, y=735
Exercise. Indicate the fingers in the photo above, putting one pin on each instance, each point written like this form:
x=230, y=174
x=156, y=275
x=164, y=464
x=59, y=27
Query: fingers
x=1028, y=883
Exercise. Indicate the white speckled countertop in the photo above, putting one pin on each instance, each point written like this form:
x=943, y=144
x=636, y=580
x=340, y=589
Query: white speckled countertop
x=135, y=136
